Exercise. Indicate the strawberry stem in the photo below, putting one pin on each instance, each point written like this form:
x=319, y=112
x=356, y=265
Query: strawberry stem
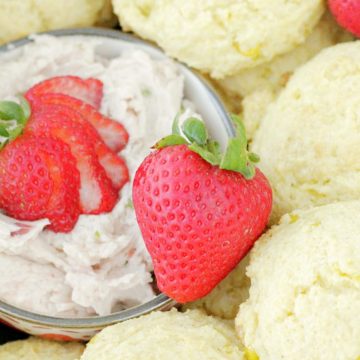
x=195, y=130
x=193, y=133
x=236, y=157
x=13, y=118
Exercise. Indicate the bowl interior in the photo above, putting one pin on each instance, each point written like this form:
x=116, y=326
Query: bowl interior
x=111, y=44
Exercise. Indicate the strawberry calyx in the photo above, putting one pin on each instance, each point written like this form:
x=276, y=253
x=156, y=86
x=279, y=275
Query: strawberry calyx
x=193, y=133
x=13, y=118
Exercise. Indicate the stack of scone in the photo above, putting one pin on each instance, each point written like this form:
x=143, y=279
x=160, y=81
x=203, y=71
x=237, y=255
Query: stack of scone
x=296, y=296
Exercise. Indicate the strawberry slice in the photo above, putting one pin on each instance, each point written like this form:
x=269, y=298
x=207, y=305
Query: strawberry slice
x=112, y=132
x=35, y=183
x=114, y=165
x=88, y=90
x=97, y=194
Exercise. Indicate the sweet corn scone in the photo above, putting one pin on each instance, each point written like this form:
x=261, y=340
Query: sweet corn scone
x=260, y=86
x=304, y=299
x=225, y=299
x=309, y=140
x=254, y=108
x=22, y=17
x=167, y=335
x=37, y=349
x=221, y=37
x=275, y=74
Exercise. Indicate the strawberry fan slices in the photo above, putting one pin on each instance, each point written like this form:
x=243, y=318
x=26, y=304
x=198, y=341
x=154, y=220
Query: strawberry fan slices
x=60, y=158
x=113, y=133
x=89, y=91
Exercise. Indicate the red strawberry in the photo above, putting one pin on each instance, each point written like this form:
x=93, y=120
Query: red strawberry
x=88, y=90
x=35, y=183
x=115, y=167
x=347, y=14
x=97, y=194
x=112, y=132
x=197, y=219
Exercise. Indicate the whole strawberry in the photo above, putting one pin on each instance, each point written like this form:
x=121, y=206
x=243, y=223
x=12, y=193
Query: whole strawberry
x=347, y=14
x=199, y=211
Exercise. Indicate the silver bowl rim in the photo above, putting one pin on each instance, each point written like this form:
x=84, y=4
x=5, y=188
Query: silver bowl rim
x=159, y=302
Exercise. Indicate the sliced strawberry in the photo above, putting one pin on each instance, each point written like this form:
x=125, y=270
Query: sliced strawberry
x=63, y=208
x=112, y=132
x=97, y=194
x=115, y=167
x=35, y=183
x=88, y=90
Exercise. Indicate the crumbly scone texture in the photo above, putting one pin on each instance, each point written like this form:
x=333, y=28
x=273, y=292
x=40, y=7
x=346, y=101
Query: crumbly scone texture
x=255, y=107
x=309, y=139
x=225, y=299
x=22, y=17
x=167, y=335
x=38, y=349
x=275, y=73
x=251, y=91
x=221, y=37
x=305, y=287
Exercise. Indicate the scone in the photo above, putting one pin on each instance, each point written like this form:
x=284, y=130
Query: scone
x=221, y=37
x=255, y=107
x=167, y=335
x=37, y=349
x=260, y=86
x=276, y=73
x=309, y=139
x=305, y=287
x=22, y=17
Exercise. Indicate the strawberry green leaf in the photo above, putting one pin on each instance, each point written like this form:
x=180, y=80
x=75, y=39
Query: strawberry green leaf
x=214, y=147
x=255, y=158
x=211, y=158
x=10, y=110
x=240, y=128
x=3, y=131
x=170, y=140
x=235, y=157
x=249, y=171
x=25, y=107
x=15, y=132
x=195, y=136
x=195, y=130
x=175, y=125
x=13, y=118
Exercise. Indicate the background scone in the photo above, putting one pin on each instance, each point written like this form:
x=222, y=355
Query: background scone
x=260, y=85
x=274, y=74
x=225, y=299
x=22, y=17
x=37, y=349
x=164, y=336
x=309, y=140
x=221, y=37
x=305, y=287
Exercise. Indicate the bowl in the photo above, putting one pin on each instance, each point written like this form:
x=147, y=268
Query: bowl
x=111, y=44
